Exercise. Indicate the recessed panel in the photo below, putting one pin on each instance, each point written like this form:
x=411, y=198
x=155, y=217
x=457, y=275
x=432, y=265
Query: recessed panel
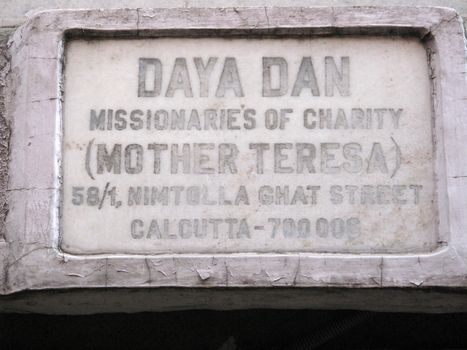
x=215, y=145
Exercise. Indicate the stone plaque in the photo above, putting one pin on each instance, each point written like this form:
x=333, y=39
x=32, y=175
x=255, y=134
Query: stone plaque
x=223, y=145
x=222, y=153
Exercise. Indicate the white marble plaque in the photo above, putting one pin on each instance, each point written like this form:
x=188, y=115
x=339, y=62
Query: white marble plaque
x=212, y=145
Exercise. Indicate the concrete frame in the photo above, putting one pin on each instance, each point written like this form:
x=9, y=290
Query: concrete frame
x=30, y=256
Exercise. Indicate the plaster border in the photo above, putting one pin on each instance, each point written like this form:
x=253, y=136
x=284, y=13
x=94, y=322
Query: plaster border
x=31, y=257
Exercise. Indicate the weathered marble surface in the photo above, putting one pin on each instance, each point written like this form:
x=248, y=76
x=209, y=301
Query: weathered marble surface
x=333, y=154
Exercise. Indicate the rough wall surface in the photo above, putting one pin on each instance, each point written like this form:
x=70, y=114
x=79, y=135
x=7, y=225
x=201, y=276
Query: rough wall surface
x=4, y=130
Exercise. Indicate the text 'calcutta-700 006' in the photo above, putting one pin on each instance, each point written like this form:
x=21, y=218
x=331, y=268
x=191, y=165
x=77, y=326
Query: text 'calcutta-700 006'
x=224, y=145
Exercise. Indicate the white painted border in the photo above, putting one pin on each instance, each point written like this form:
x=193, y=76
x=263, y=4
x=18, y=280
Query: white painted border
x=31, y=257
